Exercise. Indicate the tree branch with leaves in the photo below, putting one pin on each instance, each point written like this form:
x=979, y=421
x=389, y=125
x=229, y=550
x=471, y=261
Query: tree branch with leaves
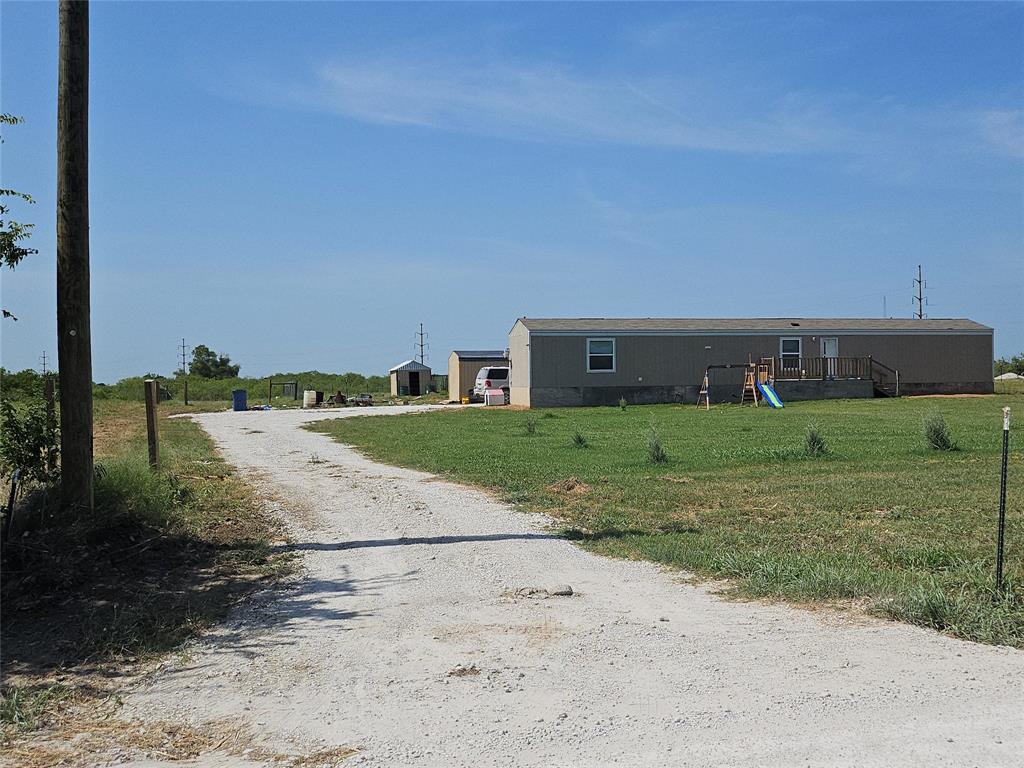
x=13, y=233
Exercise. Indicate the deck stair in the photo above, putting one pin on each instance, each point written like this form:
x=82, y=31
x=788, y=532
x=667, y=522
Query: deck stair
x=886, y=380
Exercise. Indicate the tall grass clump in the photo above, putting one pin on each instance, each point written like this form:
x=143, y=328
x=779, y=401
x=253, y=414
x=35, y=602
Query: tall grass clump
x=656, y=453
x=579, y=440
x=531, y=424
x=23, y=708
x=814, y=442
x=128, y=491
x=936, y=433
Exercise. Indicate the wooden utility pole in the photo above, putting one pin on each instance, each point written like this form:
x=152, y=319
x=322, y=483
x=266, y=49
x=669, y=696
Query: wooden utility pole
x=152, y=398
x=74, y=340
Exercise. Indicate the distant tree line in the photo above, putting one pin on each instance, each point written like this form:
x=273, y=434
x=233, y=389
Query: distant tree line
x=1014, y=364
x=27, y=385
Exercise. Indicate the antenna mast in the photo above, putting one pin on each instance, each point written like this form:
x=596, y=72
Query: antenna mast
x=919, y=297
x=421, y=343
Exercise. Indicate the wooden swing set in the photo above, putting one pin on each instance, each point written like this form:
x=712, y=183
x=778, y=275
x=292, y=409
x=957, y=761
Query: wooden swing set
x=760, y=372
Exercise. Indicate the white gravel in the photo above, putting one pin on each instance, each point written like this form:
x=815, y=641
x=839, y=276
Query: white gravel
x=406, y=579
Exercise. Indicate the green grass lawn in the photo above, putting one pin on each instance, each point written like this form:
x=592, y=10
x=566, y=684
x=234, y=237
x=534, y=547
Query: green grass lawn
x=1010, y=387
x=880, y=521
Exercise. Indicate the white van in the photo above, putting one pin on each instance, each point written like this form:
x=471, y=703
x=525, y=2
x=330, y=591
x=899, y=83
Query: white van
x=491, y=377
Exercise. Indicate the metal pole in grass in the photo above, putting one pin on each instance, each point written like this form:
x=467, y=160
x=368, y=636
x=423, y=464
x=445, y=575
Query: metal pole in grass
x=1002, y=502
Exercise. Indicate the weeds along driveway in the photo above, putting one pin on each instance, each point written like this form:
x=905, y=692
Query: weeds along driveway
x=404, y=638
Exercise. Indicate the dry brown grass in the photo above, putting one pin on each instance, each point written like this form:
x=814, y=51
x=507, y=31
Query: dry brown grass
x=571, y=485
x=85, y=735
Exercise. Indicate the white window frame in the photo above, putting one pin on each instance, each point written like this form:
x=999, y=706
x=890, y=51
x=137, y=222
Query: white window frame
x=615, y=360
x=783, y=355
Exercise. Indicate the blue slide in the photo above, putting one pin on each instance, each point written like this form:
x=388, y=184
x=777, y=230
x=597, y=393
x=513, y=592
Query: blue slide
x=769, y=395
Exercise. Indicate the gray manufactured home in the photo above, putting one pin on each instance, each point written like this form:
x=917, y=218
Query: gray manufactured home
x=597, y=361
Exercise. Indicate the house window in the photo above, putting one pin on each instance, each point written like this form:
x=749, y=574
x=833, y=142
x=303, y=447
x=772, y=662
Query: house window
x=600, y=355
x=789, y=351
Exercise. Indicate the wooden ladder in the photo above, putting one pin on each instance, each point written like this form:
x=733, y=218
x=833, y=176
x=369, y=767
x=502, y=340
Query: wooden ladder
x=704, y=394
x=750, y=386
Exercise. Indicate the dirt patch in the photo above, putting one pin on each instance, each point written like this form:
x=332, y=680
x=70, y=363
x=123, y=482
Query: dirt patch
x=540, y=593
x=915, y=397
x=534, y=635
x=464, y=670
x=87, y=736
x=570, y=486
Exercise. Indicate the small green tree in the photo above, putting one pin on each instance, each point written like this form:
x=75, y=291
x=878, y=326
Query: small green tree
x=13, y=233
x=29, y=440
x=208, y=364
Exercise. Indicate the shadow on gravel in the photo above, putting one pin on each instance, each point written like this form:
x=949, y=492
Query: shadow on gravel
x=304, y=605
x=313, y=546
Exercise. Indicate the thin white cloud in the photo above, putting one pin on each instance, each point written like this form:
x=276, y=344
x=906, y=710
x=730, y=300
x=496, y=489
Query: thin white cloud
x=547, y=103
x=1004, y=131
x=878, y=137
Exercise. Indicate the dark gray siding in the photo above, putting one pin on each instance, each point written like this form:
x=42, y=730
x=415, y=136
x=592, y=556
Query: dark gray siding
x=667, y=365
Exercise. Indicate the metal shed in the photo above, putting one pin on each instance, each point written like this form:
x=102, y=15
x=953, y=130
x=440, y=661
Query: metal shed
x=410, y=378
x=463, y=366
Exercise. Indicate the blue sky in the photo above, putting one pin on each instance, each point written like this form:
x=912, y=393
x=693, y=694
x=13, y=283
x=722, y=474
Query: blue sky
x=300, y=185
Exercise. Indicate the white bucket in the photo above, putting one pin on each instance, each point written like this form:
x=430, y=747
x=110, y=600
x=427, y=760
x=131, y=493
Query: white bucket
x=308, y=398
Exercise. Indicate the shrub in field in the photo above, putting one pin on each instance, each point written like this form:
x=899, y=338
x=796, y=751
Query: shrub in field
x=579, y=440
x=656, y=453
x=27, y=437
x=622, y=403
x=531, y=424
x=936, y=433
x=814, y=443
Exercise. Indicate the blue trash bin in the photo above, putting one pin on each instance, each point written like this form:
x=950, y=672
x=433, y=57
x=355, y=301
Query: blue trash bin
x=241, y=399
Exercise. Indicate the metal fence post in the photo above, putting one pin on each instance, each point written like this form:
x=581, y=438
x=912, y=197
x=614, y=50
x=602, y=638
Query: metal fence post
x=1002, y=502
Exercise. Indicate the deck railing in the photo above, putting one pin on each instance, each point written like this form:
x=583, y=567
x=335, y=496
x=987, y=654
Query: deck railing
x=789, y=368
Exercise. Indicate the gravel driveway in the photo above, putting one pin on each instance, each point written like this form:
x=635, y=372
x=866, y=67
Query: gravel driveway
x=404, y=637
